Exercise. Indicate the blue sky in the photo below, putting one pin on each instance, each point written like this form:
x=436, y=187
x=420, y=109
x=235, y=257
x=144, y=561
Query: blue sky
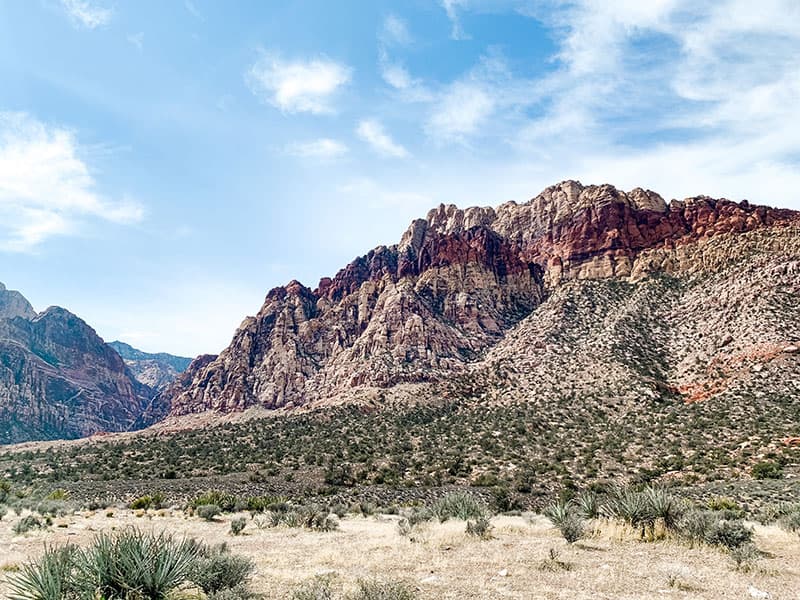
x=164, y=163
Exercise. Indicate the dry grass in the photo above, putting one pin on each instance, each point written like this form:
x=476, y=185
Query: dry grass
x=444, y=562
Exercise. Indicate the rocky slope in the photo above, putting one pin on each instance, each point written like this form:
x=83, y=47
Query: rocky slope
x=464, y=283
x=58, y=379
x=156, y=370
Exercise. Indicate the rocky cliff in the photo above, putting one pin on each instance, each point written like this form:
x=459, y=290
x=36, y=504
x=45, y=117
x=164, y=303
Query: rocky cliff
x=430, y=308
x=58, y=379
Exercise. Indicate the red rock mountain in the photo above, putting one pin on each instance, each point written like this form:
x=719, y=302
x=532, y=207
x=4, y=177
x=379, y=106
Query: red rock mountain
x=464, y=287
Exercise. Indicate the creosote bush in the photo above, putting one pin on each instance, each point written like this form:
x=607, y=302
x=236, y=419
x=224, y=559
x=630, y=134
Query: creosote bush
x=480, y=528
x=238, y=525
x=208, y=511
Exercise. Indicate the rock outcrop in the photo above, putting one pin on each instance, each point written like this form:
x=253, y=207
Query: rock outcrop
x=428, y=308
x=58, y=379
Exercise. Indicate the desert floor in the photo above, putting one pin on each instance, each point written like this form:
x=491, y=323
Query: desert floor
x=443, y=562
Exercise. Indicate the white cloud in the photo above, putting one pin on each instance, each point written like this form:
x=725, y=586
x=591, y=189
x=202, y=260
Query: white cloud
x=322, y=149
x=84, y=13
x=297, y=85
x=137, y=39
x=372, y=132
x=46, y=189
x=459, y=113
x=395, y=31
x=452, y=7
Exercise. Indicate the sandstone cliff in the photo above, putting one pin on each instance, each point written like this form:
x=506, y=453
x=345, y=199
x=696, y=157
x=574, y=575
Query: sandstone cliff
x=431, y=307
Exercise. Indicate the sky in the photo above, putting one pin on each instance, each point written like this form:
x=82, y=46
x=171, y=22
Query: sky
x=164, y=163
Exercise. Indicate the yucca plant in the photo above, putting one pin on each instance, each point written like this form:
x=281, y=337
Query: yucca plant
x=664, y=506
x=132, y=563
x=49, y=578
x=588, y=505
x=459, y=505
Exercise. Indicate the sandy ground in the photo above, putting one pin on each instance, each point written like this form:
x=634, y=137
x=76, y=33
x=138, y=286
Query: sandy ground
x=443, y=562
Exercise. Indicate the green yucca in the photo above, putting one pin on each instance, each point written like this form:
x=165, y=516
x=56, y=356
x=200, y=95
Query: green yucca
x=132, y=563
x=459, y=505
x=50, y=578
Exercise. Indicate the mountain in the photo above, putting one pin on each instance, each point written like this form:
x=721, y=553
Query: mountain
x=154, y=370
x=581, y=290
x=58, y=379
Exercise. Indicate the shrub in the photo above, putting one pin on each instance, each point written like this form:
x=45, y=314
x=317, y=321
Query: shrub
x=217, y=570
x=767, y=470
x=643, y=509
x=208, y=511
x=226, y=502
x=50, y=578
x=553, y=563
x=381, y=590
x=696, y=525
x=480, y=528
x=237, y=525
x=458, y=505
x=565, y=517
x=729, y=534
x=588, y=504
x=3, y=512
x=318, y=588
x=132, y=562
x=59, y=494
x=744, y=557
x=155, y=501
x=28, y=523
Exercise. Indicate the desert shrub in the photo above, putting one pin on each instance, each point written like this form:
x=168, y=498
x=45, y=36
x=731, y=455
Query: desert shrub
x=724, y=504
x=26, y=524
x=217, y=570
x=3, y=512
x=49, y=578
x=131, y=563
x=318, y=588
x=588, y=504
x=553, y=563
x=566, y=518
x=365, y=509
x=155, y=501
x=458, y=505
x=240, y=592
x=208, y=511
x=644, y=508
x=696, y=525
x=480, y=528
x=372, y=589
x=729, y=534
x=745, y=556
x=238, y=525
x=767, y=469
x=790, y=521
x=58, y=494
x=226, y=502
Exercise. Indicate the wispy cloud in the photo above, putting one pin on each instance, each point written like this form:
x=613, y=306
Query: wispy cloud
x=193, y=10
x=298, y=85
x=46, y=189
x=84, y=13
x=321, y=149
x=452, y=8
x=373, y=132
x=394, y=30
x=137, y=40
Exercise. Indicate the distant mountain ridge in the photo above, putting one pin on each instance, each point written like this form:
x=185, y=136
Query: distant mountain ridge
x=59, y=379
x=153, y=369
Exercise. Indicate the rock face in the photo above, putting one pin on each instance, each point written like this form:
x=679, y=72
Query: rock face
x=154, y=370
x=431, y=307
x=58, y=379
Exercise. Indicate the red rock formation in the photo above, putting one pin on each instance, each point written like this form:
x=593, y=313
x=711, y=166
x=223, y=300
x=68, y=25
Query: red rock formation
x=458, y=280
